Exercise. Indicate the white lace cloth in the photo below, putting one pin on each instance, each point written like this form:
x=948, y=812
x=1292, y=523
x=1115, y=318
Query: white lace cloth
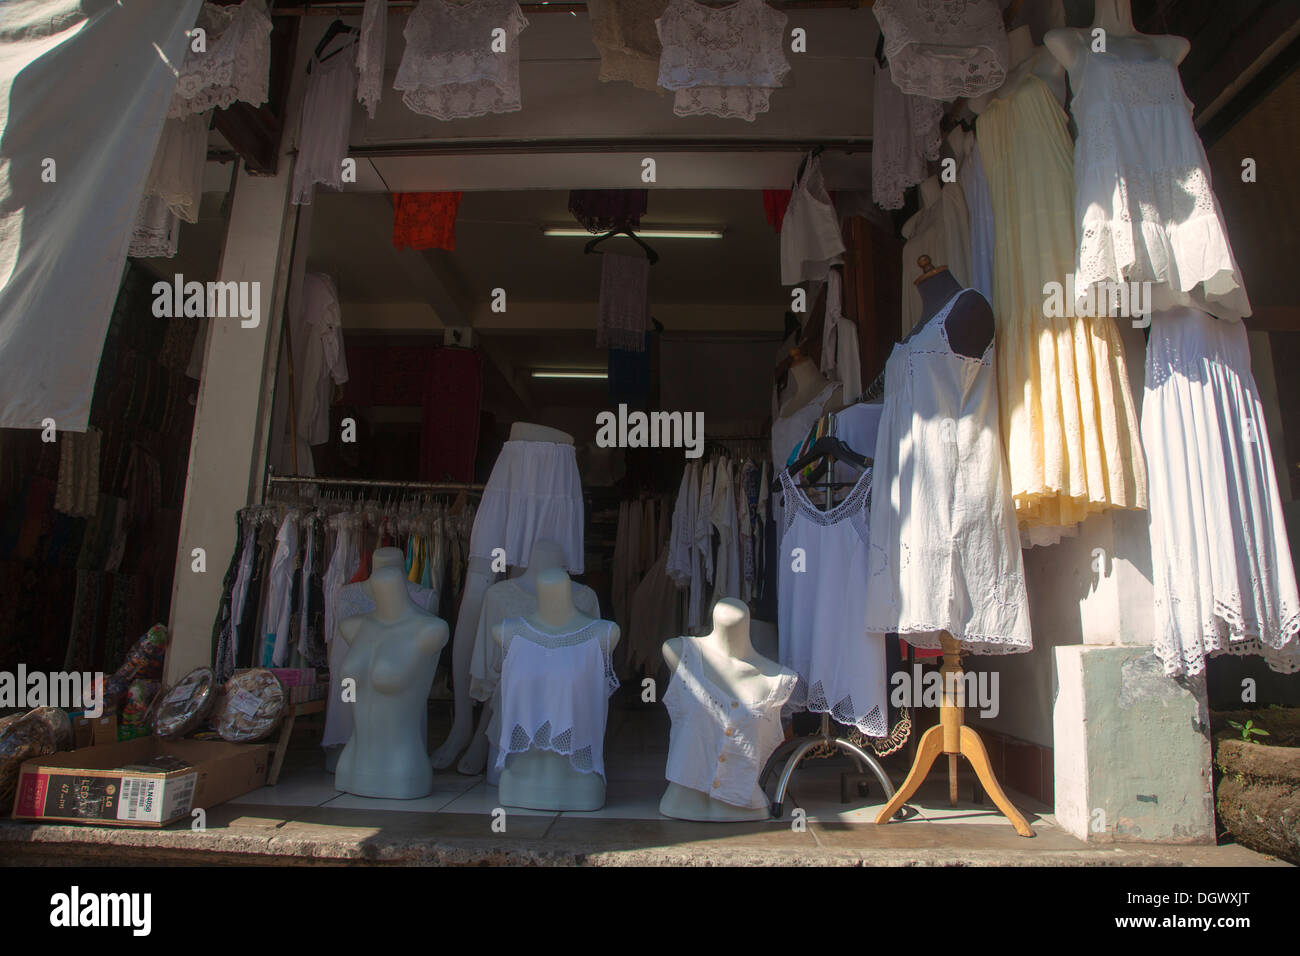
x=453, y=66
x=236, y=62
x=555, y=691
x=945, y=552
x=722, y=61
x=1220, y=557
x=1145, y=210
x=157, y=230
x=533, y=494
x=719, y=743
x=370, y=54
x=326, y=123
x=905, y=134
x=944, y=49
x=821, y=609
x=177, y=171
x=624, y=32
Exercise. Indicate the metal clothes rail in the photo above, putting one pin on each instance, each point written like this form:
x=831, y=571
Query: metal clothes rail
x=431, y=486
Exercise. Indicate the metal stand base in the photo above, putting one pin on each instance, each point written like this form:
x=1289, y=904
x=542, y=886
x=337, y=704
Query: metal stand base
x=793, y=752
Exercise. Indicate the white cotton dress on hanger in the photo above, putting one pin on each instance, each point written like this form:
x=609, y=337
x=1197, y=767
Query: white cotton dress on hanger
x=326, y=122
x=945, y=550
x=1220, y=557
x=534, y=493
x=821, y=609
x=719, y=744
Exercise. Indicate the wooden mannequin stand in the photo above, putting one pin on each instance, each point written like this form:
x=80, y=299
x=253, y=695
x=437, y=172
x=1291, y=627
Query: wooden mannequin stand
x=951, y=736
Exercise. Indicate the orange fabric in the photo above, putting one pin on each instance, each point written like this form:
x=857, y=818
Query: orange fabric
x=425, y=220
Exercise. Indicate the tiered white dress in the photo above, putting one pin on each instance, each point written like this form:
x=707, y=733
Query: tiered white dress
x=1221, y=561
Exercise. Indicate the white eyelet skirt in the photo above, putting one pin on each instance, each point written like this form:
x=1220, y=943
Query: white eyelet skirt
x=533, y=494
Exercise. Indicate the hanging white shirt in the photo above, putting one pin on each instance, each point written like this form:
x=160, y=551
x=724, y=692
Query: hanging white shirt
x=841, y=361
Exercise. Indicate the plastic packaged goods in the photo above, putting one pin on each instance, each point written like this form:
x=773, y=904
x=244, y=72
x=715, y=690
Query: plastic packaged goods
x=60, y=725
x=252, y=703
x=185, y=707
x=21, y=739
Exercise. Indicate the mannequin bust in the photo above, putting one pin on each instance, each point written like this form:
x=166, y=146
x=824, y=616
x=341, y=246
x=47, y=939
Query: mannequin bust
x=524, y=431
x=539, y=779
x=383, y=558
x=545, y=555
x=969, y=324
x=731, y=663
x=1025, y=58
x=392, y=655
x=808, y=384
x=1115, y=17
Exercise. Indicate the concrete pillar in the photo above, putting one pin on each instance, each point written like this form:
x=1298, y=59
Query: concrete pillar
x=232, y=418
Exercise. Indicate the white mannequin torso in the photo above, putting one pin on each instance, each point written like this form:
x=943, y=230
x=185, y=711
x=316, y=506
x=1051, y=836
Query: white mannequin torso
x=538, y=779
x=808, y=384
x=392, y=655
x=1122, y=38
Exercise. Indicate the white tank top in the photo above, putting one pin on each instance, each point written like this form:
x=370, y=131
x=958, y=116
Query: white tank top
x=719, y=743
x=555, y=692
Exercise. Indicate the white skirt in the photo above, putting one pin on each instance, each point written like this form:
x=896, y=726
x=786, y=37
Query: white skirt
x=1221, y=563
x=533, y=494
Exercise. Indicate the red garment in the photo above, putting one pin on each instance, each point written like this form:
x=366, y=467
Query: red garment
x=425, y=220
x=453, y=393
x=920, y=653
x=363, y=572
x=775, y=202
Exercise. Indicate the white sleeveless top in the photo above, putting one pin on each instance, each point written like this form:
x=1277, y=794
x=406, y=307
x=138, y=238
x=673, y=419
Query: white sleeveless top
x=722, y=61
x=945, y=550
x=1145, y=210
x=822, y=610
x=943, y=49
x=555, y=692
x=449, y=69
x=718, y=743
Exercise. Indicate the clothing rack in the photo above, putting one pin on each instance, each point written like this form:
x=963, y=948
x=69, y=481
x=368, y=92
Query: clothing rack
x=430, y=486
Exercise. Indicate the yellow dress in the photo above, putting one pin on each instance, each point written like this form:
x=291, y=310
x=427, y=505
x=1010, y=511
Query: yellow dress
x=1069, y=424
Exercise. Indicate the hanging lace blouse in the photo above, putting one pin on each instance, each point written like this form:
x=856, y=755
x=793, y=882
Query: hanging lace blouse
x=624, y=33
x=450, y=69
x=326, y=123
x=425, y=220
x=555, y=691
x=370, y=54
x=177, y=171
x=905, y=135
x=724, y=61
x=235, y=65
x=944, y=49
x=157, y=230
x=602, y=210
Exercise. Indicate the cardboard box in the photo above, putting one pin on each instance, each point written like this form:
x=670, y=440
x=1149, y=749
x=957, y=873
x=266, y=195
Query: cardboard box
x=89, y=786
x=103, y=730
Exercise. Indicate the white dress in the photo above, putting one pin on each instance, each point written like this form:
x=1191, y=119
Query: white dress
x=370, y=55
x=841, y=358
x=905, y=135
x=450, y=70
x=979, y=210
x=722, y=61
x=1220, y=556
x=719, y=744
x=810, y=232
x=326, y=123
x=945, y=551
x=822, y=610
x=533, y=494
x=1145, y=210
x=555, y=691
x=944, y=49
x=236, y=64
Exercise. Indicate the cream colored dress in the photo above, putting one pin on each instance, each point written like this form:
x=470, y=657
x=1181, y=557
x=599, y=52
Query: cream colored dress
x=1068, y=419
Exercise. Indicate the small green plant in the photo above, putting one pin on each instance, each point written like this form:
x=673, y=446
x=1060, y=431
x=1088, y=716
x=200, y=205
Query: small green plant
x=1248, y=730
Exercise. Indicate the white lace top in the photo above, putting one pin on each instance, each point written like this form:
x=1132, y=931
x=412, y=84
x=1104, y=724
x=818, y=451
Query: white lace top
x=371, y=48
x=945, y=550
x=1145, y=210
x=236, y=62
x=822, y=610
x=555, y=692
x=944, y=49
x=453, y=67
x=905, y=134
x=722, y=61
x=718, y=743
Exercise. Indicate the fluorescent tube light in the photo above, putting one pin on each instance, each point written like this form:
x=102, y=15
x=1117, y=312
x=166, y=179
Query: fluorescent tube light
x=641, y=233
x=584, y=373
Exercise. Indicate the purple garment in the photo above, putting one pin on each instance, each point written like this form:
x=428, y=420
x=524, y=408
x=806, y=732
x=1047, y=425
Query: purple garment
x=604, y=210
x=624, y=302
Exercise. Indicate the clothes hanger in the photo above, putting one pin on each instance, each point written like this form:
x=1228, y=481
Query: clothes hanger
x=649, y=253
x=811, y=154
x=333, y=30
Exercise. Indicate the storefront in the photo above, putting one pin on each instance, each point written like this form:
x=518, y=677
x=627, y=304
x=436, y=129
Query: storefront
x=416, y=426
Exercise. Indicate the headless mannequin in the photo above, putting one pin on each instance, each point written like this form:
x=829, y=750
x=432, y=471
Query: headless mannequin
x=808, y=384
x=392, y=655
x=731, y=663
x=477, y=579
x=482, y=750
x=1115, y=17
x=539, y=779
x=1025, y=59
x=969, y=324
